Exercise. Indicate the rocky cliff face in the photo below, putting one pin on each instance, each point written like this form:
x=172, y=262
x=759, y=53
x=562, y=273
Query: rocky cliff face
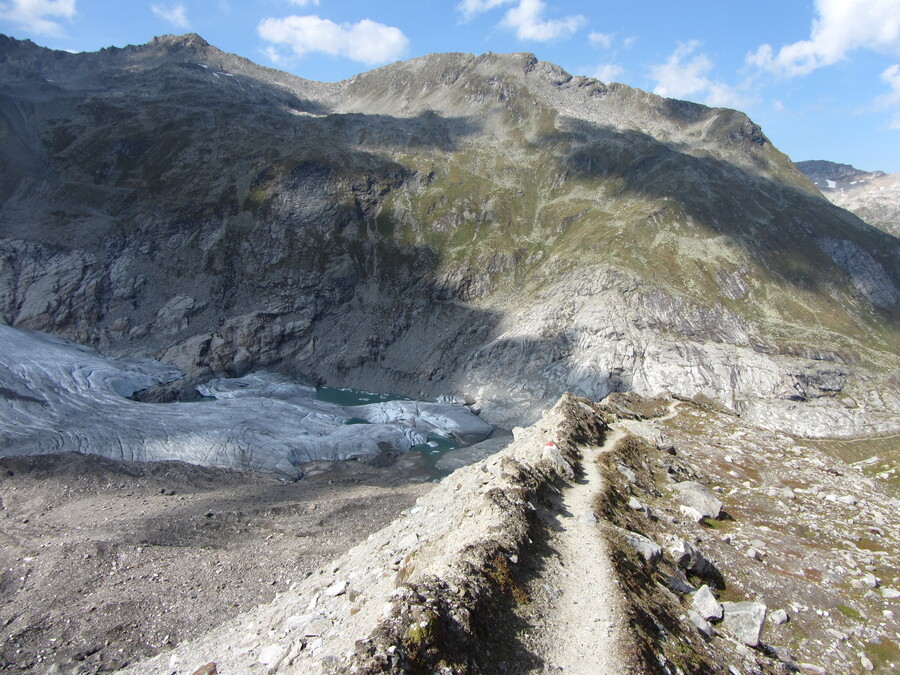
x=483, y=226
x=873, y=196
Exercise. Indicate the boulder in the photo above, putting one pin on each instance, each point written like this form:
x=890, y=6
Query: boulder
x=779, y=617
x=679, y=585
x=688, y=557
x=706, y=604
x=649, y=550
x=691, y=514
x=702, y=625
x=744, y=620
x=697, y=496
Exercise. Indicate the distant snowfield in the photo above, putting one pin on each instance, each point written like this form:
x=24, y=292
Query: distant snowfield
x=57, y=396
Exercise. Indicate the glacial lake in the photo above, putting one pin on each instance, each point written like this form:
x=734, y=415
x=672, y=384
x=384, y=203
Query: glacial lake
x=432, y=451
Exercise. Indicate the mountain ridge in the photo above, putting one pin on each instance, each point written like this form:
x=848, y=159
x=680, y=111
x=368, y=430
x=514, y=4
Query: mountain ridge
x=873, y=196
x=495, y=224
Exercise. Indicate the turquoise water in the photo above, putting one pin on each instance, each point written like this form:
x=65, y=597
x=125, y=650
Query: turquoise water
x=351, y=397
x=433, y=454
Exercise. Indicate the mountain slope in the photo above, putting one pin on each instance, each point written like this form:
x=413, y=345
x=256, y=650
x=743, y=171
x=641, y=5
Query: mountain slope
x=484, y=226
x=873, y=196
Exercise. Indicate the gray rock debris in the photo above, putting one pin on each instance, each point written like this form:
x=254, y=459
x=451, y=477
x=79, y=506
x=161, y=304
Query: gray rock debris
x=697, y=496
x=637, y=505
x=706, y=604
x=679, y=585
x=754, y=554
x=744, y=620
x=337, y=588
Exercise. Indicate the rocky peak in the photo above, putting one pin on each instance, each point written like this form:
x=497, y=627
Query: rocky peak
x=832, y=175
x=874, y=196
x=186, y=41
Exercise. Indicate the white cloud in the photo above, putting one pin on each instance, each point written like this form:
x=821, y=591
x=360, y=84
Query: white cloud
x=365, y=41
x=600, y=40
x=304, y=3
x=840, y=27
x=686, y=75
x=175, y=15
x=33, y=15
x=605, y=72
x=471, y=8
x=527, y=19
x=892, y=99
x=273, y=55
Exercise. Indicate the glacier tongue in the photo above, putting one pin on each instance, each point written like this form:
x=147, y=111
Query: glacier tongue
x=57, y=396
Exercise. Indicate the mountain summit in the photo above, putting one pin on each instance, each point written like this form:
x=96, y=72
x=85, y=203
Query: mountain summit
x=481, y=226
x=873, y=196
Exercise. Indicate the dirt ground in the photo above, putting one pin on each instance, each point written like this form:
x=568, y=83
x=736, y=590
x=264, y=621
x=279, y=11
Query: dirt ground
x=102, y=562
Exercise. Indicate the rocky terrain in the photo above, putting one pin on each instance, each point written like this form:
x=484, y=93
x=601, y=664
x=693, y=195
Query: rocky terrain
x=873, y=196
x=480, y=234
x=487, y=227
x=631, y=536
x=103, y=562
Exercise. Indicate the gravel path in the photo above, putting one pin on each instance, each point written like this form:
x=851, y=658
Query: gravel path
x=576, y=611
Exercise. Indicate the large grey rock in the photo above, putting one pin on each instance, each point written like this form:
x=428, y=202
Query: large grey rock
x=744, y=620
x=688, y=557
x=697, y=496
x=649, y=550
x=705, y=627
x=706, y=605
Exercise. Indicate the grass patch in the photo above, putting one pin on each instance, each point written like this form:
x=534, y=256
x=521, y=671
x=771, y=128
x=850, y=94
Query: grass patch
x=497, y=569
x=884, y=653
x=720, y=525
x=849, y=612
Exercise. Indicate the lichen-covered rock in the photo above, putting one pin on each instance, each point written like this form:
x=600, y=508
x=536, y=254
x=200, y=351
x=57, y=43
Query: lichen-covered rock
x=706, y=605
x=697, y=496
x=744, y=620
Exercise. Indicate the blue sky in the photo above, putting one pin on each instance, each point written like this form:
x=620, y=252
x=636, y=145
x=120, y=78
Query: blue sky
x=822, y=77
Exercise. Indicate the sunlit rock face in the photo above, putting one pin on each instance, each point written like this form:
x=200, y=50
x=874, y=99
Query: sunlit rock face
x=487, y=227
x=56, y=396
